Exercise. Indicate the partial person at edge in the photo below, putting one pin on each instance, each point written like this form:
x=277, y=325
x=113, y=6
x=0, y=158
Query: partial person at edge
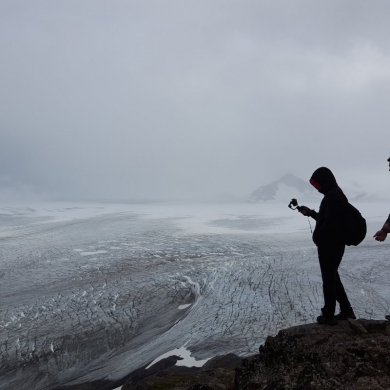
x=381, y=234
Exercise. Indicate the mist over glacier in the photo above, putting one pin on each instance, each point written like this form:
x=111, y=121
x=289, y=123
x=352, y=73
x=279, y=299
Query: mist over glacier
x=95, y=291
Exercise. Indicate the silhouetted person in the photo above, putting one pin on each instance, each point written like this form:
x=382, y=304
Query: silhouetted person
x=381, y=235
x=329, y=237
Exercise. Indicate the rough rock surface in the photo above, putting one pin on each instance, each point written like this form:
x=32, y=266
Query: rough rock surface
x=354, y=354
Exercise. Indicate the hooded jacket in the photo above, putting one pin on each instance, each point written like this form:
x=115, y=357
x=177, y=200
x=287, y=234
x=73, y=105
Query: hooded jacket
x=330, y=219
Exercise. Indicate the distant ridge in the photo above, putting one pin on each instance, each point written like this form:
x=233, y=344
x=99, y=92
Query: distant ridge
x=289, y=184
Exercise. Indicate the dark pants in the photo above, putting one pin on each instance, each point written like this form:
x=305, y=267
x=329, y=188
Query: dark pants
x=330, y=259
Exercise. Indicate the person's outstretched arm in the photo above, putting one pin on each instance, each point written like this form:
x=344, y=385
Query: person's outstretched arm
x=381, y=235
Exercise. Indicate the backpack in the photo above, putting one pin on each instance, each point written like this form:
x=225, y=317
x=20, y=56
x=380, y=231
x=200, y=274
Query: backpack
x=355, y=226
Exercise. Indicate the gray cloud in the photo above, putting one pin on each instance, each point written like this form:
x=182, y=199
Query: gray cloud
x=125, y=99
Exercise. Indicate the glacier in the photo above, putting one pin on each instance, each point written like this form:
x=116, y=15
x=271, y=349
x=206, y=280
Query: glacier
x=94, y=291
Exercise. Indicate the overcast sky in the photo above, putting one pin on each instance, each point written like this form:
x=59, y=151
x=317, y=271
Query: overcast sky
x=128, y=99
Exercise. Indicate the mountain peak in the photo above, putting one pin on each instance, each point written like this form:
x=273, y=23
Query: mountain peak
x=287, y=183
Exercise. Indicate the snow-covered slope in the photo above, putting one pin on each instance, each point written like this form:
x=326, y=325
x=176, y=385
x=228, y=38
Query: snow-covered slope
x=290, y=186
x=285, y=188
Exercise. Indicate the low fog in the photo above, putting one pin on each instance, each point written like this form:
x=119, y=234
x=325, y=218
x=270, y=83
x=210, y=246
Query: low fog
x=154, y=100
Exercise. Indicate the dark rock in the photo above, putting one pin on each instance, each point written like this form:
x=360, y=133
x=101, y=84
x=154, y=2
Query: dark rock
x=352, y=355
x=230, y=360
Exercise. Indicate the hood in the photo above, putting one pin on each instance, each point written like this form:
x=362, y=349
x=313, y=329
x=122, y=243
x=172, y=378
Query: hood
x=323, y=180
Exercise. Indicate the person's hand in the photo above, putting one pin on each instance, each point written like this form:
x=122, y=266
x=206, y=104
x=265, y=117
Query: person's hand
x=380, y=235
x=304, y=210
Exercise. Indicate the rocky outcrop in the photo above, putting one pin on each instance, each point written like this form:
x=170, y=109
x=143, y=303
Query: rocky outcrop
x=354, y=354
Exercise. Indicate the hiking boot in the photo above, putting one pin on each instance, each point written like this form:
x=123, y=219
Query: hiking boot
x=324, y=320
x=344, y=315
x=387, y=316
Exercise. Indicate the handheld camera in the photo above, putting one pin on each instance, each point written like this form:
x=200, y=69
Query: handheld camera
x=293, y=205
